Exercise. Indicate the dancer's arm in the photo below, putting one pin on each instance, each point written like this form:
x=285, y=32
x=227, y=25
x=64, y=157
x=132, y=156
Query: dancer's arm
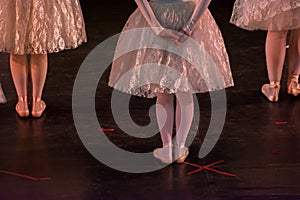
x=149, y=15
x=193, y=21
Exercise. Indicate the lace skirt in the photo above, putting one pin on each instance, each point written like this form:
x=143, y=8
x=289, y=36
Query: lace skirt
x=272, y=15
x=146, y=64
x=40, y=26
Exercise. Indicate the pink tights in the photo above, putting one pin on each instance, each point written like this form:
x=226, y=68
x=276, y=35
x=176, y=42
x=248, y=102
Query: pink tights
x=165, y=116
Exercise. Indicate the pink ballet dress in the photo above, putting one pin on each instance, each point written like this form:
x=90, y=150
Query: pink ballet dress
x=40, y=26
x=272, y=15
x=146, y=64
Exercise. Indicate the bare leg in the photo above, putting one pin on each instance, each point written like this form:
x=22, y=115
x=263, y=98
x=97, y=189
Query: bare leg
x=184, y=118
x=294, y=63
x=294, y=52
x=275, y=53
x=275, y=56
x=19, y=72
x=38, y=69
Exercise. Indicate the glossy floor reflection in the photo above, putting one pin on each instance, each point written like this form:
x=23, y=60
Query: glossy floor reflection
x=260, y=142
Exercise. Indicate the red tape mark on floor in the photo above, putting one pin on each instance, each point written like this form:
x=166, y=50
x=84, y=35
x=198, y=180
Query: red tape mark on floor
x=281, y=123
x=107, y=129
x=208, y=167
x=275, y=152
x=25, y=176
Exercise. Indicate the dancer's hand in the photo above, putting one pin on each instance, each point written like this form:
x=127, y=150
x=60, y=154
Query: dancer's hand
x=183, y=36
x=169, y=35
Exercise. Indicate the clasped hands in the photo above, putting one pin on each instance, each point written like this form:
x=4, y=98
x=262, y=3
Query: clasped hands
x=173, y=36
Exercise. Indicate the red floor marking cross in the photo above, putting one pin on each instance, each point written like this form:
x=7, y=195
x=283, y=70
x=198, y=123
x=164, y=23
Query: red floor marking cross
x=24, y=176
x=207, y=167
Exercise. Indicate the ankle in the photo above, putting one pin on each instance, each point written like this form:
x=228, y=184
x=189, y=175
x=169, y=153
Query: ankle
x=181, y=152
x=293, y=77
x=36, y=99
x=179, y=145
x=274, y=84
x=167, y=147
x=22, y=99
x=164, y=154
x=179, y=148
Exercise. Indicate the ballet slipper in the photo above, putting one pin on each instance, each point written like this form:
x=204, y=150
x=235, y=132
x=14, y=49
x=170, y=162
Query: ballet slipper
x=164, y=154
x=22, y=107
x=38, y=107
x=181, y=152
x=271, y=91
x=293, y=86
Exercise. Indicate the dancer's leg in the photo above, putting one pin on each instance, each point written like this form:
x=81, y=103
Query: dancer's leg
x=275, y=56
x=165, y=119
x=184, y=118
x=19, y=72
x=294, y=63
x=38, y=69
x=275, y=53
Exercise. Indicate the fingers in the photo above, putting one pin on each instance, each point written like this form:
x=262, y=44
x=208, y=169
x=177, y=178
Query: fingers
x=175, y=41
x=183, y=38
x=168, y=34
x=174, y=37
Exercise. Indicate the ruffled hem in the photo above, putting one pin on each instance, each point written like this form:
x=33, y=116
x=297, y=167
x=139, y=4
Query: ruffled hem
x=41, y=51
x=276, y=15
x=152, y=93
x=40, y=27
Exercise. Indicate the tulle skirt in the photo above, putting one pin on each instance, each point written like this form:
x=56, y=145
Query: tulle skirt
x=40, y=26
x=146, y=64
x=272, y=15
